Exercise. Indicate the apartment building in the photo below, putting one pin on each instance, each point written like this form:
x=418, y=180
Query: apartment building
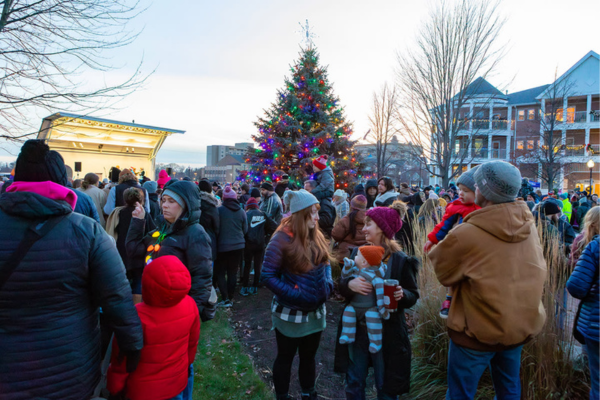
x=216, y=153
x=513, y=126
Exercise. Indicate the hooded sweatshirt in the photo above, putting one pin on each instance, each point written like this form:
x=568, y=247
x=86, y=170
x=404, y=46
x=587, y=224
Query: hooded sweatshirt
x=494, y=263
x=163, y=178
x=171, y=330
x=370, y=200
x=233, y=226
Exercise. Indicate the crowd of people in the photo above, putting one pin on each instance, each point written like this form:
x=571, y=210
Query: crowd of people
x=127, y=269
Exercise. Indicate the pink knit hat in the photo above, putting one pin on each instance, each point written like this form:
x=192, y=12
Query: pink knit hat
x=228, y=193
x=387, y=219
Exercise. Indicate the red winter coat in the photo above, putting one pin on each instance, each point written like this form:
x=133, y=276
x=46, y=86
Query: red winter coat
x=171, y=327
x=455, y=213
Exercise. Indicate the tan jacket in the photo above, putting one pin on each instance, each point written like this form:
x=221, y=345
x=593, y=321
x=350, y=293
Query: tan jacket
x=494, y=263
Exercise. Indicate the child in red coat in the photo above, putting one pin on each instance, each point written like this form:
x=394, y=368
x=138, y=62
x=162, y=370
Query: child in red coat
x=456, y=211
x=171, y=327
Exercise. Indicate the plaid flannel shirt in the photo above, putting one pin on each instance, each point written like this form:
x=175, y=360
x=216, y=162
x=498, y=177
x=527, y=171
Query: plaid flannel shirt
x=296, y=316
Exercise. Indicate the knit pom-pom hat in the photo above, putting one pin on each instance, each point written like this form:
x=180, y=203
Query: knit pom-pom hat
x=387, y=219
x=373, y=254
x=320, y=162
x=228, y=193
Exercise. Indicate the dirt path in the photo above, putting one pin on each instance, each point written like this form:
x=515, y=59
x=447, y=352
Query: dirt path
x=251, y=318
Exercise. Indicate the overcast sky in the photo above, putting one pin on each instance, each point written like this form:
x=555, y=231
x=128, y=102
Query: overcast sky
x=219, y=63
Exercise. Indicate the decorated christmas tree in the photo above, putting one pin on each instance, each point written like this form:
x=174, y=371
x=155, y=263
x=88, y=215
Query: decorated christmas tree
x=305, y=122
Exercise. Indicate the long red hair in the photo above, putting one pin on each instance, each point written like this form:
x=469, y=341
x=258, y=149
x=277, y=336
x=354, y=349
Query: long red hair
x=308, y=247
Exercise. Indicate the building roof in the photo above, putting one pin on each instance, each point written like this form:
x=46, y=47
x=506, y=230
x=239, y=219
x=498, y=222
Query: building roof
x=110, y=121
x=482, y=87
x=591, y=54
x=231, y=159
x=527, y=96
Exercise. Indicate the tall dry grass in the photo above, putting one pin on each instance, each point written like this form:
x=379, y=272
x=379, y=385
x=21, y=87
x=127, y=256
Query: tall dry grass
x=550, y=368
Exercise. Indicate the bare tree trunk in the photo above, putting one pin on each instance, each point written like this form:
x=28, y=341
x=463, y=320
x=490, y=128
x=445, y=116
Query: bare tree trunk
x=383, y=126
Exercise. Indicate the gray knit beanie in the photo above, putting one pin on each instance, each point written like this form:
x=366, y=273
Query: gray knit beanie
x=468, y=179
x=150, y=186
x=498, y=181
x=298, y=200
x=175, y=197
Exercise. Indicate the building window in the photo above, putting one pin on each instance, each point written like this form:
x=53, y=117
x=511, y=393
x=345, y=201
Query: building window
x=530, y=145
x=521, y=115
x=520, y=145
x=531, y=114
x=457, y=146
x=570, y=115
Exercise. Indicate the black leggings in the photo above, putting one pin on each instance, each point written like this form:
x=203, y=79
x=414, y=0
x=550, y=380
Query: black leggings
x=287, y=347
x=249, y=255
x=228, y=264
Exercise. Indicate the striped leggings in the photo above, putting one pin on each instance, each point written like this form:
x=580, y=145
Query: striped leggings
x=350, y=318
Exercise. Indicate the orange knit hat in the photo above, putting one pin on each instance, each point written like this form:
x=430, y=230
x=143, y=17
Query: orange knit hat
x=373, y=254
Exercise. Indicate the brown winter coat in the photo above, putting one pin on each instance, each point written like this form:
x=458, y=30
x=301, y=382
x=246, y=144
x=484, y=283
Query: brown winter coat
x=494, y=263
x=341, y=234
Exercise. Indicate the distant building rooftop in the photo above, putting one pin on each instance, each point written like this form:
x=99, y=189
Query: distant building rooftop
x=526, y=96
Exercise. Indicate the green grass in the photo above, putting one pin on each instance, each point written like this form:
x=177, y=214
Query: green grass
x=222, y=370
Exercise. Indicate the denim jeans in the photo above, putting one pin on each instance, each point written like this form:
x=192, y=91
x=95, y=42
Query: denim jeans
x=187, y=392
x=358, y=368
x=593, y=360
x=465, y=367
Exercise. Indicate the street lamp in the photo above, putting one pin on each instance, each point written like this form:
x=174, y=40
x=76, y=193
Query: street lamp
x=590, y=165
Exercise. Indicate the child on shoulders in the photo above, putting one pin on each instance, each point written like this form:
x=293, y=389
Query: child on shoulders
x=455, y=213
x=324, y=178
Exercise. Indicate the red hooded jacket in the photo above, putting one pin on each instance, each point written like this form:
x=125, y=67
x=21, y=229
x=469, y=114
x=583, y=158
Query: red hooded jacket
x=163, y=178
x=171, y=327
x=455, y=213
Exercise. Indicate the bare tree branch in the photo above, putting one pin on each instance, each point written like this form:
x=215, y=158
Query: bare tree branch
x=46, y=45
x=549, y=154
x=383, y=126
x=456, y=45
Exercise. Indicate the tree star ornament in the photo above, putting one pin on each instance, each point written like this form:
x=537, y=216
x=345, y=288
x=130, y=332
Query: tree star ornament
x=307, y=34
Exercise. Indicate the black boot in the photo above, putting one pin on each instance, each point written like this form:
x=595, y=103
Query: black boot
x=283, y=397
x=311, y=396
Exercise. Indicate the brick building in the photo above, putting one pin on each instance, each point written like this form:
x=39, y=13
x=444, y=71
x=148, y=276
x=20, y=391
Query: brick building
x=513, y=126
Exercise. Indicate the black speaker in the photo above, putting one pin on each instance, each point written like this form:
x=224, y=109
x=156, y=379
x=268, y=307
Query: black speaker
x=169, y=171
x=77, y=166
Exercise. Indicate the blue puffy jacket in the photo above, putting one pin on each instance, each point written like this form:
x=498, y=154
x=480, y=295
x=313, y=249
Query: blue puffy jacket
x=583, y=284
x=303, y=292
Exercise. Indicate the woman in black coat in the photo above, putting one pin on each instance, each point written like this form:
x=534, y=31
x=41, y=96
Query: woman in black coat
x=180, y=235
x=209, y=218
x=392, y=362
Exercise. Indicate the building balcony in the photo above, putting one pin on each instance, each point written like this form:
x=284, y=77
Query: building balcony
x=578, y=117
x=499, y=154
x=484, y=125
x=484, y=154
x=479, y=153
